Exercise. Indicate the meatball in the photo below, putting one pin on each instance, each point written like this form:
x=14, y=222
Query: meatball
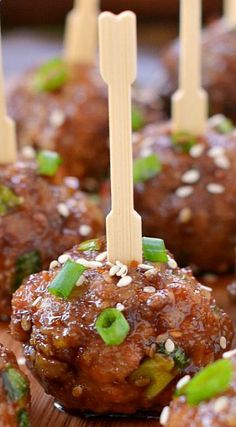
x=71, y=119
x=14, y=392
x=120, y=338
x=188, y=197
x=38, y=221
x=217, y=411
x=219, y=69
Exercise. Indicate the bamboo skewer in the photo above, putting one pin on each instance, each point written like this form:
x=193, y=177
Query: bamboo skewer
x=80, y=40
x=8, y=151
x=190, y=103
x=230, y=12
x=118, y=63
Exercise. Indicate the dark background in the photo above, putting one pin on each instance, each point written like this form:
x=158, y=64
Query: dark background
x=50, y=12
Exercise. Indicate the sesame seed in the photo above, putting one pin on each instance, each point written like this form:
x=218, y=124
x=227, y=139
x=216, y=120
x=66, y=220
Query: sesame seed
x=164, y=415
x=216, y=152
x=185, y=215
x=85, y=230
x=206, y=288
x=57, y=118
x=101, y=257
x=28, y=152
x=222, y=162
x=223, y=343
x=125, y=281
x=36, y=301
x=71, y=182
x=21, y=361
x=63, y=210
x=94, y=264
x=80, y=281
x=184, y=191
x=169, y=346
x=220, y=404
x=229, y=354
x=183, y=381
x=196, y=150
x=120, y=264
x=145, y=266
x=113, y=270
x=123, y=271
x=63, y=258
x=172, y=263
x=191, y=176
x=215, y=188
x=149, y=289
x=53, y=264
x=83, y=262
x=120, y=306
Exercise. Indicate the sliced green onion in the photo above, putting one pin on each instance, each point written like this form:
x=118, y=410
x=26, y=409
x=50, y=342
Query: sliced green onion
x=90, y=245
x=23, y=419
x=225, y=126
x=183, y=141
x=158, y=371
x=8, y=199
x=48, y=162
x=179, y=356
x=15, y=384
x=112, y=326
x=154, y=250
x=211, y=381
x=50, y=76
x=26, y=264
x=138, y=120
x=65, y=281
x=146, y=168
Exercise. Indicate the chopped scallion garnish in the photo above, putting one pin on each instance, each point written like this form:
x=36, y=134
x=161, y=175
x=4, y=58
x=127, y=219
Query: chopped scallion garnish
x=225, y=126
x=112, y=326
x=154, y=250
x=90, y=245
x=8, y=199
x=146, y=168
x=26, y=264
x=183, y=141
x=48, y=162
x=179, y=356
x=23, y=419
x=65, y=281
x=50, y=76
x=210, y=382
x=15, y=384
x=138, y=120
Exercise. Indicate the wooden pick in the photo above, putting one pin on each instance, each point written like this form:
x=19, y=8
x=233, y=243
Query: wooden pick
x=190, y=103
x=118, y=63
x=8, y=151
x=80, y=40
x=230, y=12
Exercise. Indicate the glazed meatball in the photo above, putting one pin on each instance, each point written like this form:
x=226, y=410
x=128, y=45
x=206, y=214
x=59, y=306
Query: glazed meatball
x=14, y=392
x=116, y=339
x=188, y=196
x=219, y=69
x=38, y=221
x=70, y=117
x=217, y=411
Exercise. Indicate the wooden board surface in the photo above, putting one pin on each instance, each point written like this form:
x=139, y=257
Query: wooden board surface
x=45, y=415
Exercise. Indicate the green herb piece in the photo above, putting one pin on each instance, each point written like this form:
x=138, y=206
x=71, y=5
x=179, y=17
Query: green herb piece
x=112, y=326
x=48, y=162
x=50, y=76
x=26, y=264
x=158, y=371
x=146, y=168
x=179, y=356
x=183, y=141
x=65, y=281
x=210, y=382
x=90, y=245
x=23, y=419
x=154, y=250
x=138, y=120
x=15, y=384
x=8, y=199
x=225, y=126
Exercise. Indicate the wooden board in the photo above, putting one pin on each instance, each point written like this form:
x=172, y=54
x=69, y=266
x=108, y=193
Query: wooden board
x=45, y=415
